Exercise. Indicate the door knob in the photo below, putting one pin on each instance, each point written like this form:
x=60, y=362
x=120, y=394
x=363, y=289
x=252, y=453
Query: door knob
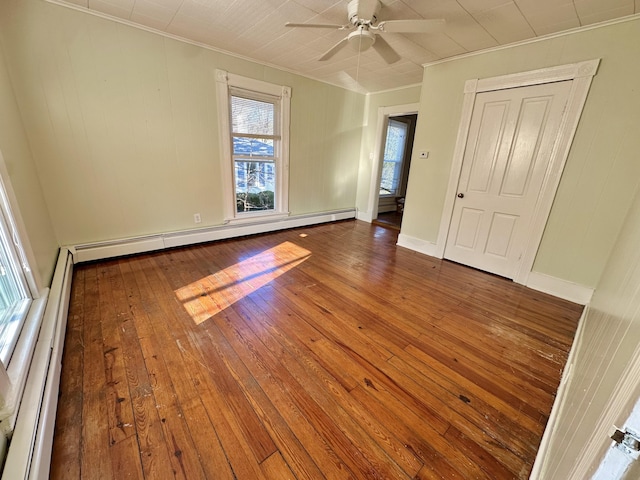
x=461, y=195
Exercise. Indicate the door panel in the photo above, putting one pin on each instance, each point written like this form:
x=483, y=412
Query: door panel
x=468, y=228
x=500, y=234
x=523, y=155
x=491, y=127
x=509, y=146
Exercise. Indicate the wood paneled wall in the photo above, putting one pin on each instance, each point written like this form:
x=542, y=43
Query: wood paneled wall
x=607, y=358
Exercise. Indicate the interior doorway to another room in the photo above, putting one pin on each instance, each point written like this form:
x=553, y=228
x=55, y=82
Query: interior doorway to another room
x=395, y=161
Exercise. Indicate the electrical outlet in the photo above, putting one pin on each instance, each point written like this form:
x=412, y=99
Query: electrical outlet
x=196, y=218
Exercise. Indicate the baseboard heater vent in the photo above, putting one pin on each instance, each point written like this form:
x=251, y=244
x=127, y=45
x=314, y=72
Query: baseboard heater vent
x=29, y=454
x=130, y=246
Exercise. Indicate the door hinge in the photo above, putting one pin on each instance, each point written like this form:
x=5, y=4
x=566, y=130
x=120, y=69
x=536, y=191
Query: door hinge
x=629, y=442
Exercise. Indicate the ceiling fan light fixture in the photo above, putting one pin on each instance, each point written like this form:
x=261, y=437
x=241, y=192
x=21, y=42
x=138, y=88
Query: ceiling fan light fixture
x=361, y=40
x=363, y=17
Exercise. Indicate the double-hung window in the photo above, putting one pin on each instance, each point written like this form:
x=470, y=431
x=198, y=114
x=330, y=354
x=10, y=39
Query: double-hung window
x=21, y=307
x=14, y=295
x=254, y=136
x=255, y=133
x=17, y=286
x=394, y=153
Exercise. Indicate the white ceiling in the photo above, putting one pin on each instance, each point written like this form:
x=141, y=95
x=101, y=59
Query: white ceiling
x=255, y=29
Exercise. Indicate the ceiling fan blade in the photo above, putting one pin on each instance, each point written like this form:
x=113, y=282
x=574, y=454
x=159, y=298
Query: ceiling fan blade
x=411, y=26
x=317, y=25
x=335, y=49
x=384, y=49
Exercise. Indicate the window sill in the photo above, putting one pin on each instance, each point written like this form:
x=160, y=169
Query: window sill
x=258, y=217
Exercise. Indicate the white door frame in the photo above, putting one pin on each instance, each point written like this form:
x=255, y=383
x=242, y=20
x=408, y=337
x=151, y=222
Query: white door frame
x=381, y=136
x=581, y=74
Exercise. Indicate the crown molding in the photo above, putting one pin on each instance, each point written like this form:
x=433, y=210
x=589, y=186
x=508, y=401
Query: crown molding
x=178, y=38
x=564, y=33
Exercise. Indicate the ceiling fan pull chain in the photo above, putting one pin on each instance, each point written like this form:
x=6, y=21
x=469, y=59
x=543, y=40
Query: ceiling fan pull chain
x=358, y=62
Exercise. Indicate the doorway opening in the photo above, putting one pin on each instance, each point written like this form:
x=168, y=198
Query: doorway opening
x=391, y=161
x=394, y=172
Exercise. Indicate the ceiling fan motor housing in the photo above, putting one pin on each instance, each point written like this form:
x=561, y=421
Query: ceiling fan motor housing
x=363, y=15
x=363, y=11
x=361, y=40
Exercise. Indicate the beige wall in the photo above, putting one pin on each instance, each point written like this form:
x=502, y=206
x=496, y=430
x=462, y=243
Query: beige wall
x=124, y=131
x=602, y=170
x=16, y=152
x=402, y=96
x=609, y=343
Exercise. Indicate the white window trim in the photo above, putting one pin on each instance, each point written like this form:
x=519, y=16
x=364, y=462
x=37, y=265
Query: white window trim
x=225, y=80
x=19, y=234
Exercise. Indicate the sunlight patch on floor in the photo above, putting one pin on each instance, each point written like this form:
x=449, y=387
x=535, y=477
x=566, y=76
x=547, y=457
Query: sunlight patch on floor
x=210, y=295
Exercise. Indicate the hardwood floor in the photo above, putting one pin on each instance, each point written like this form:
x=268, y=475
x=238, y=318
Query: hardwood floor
x=320, y=352
x=389, y=219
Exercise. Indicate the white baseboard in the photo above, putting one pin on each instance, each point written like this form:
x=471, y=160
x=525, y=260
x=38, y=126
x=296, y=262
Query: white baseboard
x=364, y=216
x=117, y=248
x=557, y=287
x=129, y=246
x=538, y=471
x=418, y=245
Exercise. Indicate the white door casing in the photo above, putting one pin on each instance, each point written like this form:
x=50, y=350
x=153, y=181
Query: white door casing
x=509, y=146
x=581, y=75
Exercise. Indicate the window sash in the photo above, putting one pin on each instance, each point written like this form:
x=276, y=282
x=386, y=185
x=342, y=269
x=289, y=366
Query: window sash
x=15, y=297
x=391, y=189
x=253, y=196
x=275, y=147
x=255, y=188
x=393, y=158
x=251, y=95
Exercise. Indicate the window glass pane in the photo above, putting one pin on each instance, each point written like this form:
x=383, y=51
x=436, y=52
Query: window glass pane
x=396, y=137
x=255, y=186
x=13, y=298
x=253, y=146
x=390, y=178
x=252, y=116
x=393, y=157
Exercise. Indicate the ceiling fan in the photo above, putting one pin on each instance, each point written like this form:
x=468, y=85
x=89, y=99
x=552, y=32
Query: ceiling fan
x=363, y=20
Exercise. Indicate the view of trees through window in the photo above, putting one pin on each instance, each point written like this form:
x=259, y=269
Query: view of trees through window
x=255, y=144
x=393, y=157
x=255, y=186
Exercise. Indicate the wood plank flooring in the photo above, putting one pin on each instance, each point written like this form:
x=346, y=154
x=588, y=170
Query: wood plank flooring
x=389, y=219
x=320, y=352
